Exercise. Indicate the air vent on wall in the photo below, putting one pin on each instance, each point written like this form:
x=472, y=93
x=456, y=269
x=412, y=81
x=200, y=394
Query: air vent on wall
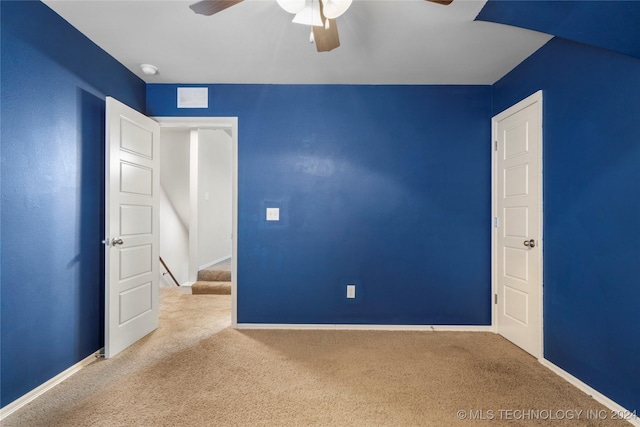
x=193, y=97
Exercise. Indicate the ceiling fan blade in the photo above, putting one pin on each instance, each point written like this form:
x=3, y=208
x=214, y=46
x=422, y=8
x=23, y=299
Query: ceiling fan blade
x=443, y=2
x=326, y=39
x=209, y=7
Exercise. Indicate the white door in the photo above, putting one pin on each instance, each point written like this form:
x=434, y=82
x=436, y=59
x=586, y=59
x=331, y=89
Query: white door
x=518, y=223
x=132, y=224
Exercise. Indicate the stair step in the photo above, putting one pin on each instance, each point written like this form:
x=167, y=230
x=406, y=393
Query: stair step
x=211, y=288
x=214, y=275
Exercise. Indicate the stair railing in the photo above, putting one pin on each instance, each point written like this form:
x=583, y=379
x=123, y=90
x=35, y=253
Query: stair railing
x=168, y=271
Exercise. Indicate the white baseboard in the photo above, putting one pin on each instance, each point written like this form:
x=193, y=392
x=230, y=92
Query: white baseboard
x=359, y=327
x=43, y=388
x=185, y=288
x=616, y=410
x=214, y=262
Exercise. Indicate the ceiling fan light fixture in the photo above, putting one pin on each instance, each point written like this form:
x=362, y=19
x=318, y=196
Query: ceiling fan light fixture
x=292, y=6
x=335, y=8
x=310, y=14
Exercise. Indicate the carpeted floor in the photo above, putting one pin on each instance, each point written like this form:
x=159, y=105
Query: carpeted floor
x=214, y=280
x=222, y=265
x=194, y=371
x=211, y=288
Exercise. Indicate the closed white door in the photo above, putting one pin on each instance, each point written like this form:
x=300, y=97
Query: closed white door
x=132, y=224
x=518, y=223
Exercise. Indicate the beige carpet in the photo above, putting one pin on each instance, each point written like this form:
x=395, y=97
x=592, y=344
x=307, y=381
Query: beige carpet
x=211, y=288
x=193, y=371
x=215, y=280
x=214, y=275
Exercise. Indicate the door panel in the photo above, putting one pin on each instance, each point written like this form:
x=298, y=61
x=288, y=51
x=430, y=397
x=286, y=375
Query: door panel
x=518, y=206
x=135, y=179
x=136, y=139
x=132, y=226
x=135, y=261
x=516, y=264
x=516, y=305
x=135, y=302
x=135, y=220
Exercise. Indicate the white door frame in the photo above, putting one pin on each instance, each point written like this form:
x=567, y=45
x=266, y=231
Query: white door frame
x=535, y=98
x=230, y=124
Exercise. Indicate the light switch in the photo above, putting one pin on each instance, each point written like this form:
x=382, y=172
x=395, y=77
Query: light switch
x=273, y=214
x=351, y=291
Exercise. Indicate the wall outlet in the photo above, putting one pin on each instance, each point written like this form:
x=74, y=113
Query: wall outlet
x=273, y=214
x=351, y=291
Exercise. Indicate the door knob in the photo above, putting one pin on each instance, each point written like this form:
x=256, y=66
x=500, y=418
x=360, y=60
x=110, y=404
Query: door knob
x=116, y=242
x=530, y=243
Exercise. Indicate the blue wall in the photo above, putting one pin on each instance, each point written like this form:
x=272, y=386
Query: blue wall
x=610, y=24
x=592, y=210
x=387, y=187
x=53, y=81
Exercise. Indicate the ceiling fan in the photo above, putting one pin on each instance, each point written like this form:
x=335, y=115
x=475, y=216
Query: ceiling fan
x=319, y=14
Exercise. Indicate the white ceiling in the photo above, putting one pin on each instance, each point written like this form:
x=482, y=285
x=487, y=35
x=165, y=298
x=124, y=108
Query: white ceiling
x=382, y=42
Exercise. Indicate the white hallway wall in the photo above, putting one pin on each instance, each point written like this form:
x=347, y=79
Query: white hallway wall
x=174, y=203
x=174, y=244
x=214, y=196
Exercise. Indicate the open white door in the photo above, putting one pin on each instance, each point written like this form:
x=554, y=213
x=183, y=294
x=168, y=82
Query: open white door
x=517, y=196
x=132, y=224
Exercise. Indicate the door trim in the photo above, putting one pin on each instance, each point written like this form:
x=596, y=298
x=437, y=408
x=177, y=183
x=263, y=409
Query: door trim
x=230, y=124
x=535, y=98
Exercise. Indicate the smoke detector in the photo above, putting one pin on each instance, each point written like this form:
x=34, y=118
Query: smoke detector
x=149, y=70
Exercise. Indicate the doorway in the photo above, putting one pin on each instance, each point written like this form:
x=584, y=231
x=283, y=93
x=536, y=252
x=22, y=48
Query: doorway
x=517, y=229
x=201, y=134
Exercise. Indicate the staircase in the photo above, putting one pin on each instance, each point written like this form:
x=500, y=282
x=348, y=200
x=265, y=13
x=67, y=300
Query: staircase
x=215, y=280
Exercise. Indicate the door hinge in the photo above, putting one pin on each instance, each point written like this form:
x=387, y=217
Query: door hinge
x=495, y=145
x=496, y=222
x=495, y=298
